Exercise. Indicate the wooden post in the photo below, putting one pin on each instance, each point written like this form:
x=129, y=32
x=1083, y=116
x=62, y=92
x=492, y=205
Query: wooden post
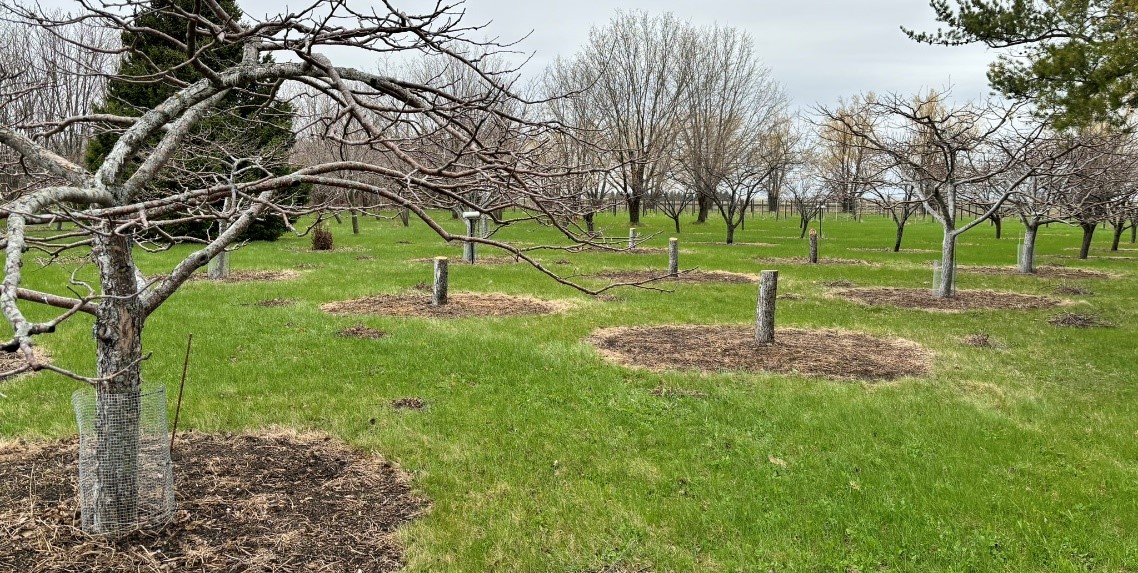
x=439, y=290
x=673, y=256
x=632, y=238
x=813, y=246
x=764, y=311
x=468, y=246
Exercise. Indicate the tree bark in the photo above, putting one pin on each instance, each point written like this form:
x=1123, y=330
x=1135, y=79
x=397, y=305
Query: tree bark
x=704, y=201
x=765, y=309
x=813, y=247
x=730, y=234
x=998, y=222
x=440, y=287
x=1027, y=256
x=590, y=223
x=405, y=217
x=355, y=222
x=632, y=238
x=946, y=287
x=1119, y=227
x=634, y=203
x=673, y=256
x=900, y=235
x=1088, y=236
x=118, y=342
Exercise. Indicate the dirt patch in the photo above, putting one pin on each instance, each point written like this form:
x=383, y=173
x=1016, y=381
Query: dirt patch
x=278, y=502
x=362, y=331
x=1073, y=290
x=412, y=403
x=980, y=340
x=1076, y=320
x=821, y=261
x=459, y=305
x=688, y=277
x=827, y=353
x=923, y=299
x=790, y=296
x=249, y=276
x=1042, y=271
x=365, y=258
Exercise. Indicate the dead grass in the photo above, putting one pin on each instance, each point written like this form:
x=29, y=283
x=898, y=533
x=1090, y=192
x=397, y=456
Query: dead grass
x=690, y=277
x=1042, y=271
x=411, y=403
x=980, y=340
x=716, y=348
x=923, y=299
x=362, y=331
x=1070, y=289
x=281, y=502
x=249, y=276
x=274, y=303
x=1077, y=320
x=478, y=260
x=459, y=305
x=821, y=261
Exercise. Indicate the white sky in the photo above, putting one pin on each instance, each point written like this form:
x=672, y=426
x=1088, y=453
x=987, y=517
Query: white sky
x=819, y=50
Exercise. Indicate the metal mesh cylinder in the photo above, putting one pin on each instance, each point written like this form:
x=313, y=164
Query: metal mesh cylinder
x=126, y=478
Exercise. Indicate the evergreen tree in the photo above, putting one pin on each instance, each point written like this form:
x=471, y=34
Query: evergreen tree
x=153, y=70
x=1074, y=58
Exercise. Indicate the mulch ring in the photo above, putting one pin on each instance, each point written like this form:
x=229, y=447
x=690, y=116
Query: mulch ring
x=821, y=261
x=683, y=277
x=890, y=250
x=410, y=403
x=1042, y=271
x=458, y=305
x=281, y=502
x=1076, y=320
x=717, y=348
x=923, y=299
x=362, y=331
x=249, y=276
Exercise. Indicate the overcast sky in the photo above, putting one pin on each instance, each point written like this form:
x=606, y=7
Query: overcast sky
x=819, y=50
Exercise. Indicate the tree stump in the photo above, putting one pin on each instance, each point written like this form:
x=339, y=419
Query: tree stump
x=813, y=246
x=440, y=286
x=764, y=311
x=673, y=256
x=632, y=238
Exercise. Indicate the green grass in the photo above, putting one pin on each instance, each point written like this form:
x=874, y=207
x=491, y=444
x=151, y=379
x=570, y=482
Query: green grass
x=539, y=456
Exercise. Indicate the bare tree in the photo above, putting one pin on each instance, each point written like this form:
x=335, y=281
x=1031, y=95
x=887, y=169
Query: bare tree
x=730, y=96
x=116, y=205
x=947, y=149
x=846, y=165
x=765, y=154
x=632, y=77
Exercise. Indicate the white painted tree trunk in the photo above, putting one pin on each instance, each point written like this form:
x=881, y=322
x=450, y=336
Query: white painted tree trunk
x=765, y=309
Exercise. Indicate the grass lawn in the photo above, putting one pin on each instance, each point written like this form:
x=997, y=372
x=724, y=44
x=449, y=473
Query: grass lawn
x=539, y=456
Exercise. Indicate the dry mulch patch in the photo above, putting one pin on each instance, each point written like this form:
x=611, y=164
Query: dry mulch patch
x=840, y=283
x=1076, y=320
x=683, y=277
x=412, y=403
x=821, y=261
x=249, y=276
x=274, y=502
x=362, y=331
x=923, y=299
x=274, y=303
x=980, y=340
x=890, y=250
x=716, y=348
x=458, y=305
x=1043, y=271
x=1073, y=290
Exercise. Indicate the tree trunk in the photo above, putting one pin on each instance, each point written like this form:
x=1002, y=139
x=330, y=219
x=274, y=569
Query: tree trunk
x=405, y=217
x=118, y=342
x=1088, y=235
x=1119, y=227
x=900, y=235
x=998, y=222
x=590, y=223
x=765, y=309
x=355, y=222
x=673, y=256
x=704, y=201
x=772, y=202
x=945, y=288
x=1027, y=256
x=634, y=203
x=730, y=234
x=813, y=258
x=676, y=222
x=440, y=286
